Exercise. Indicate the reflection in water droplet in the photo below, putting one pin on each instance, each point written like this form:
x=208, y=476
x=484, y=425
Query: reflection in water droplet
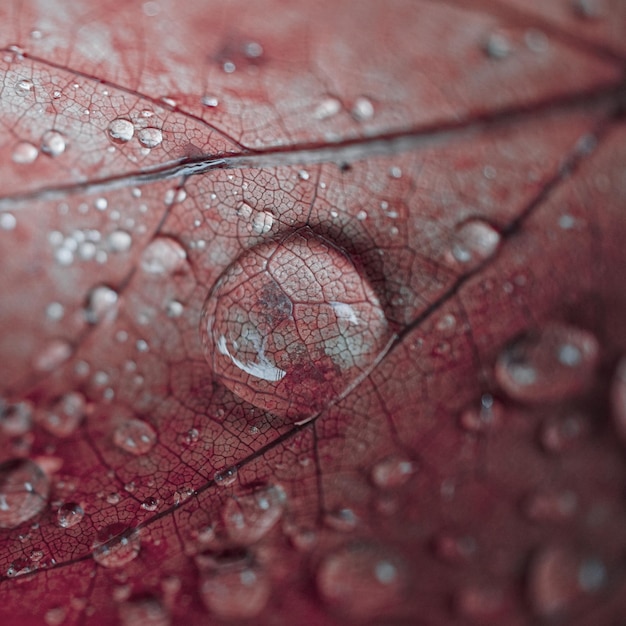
x=53, y=143
x=473, y=242
x=250, y=517
x=63, y=418
x=121, y=130
x=391, y=472
x=150, y=137
x=53, y=354
x=135, y=436
x=290, y=326
x=548, y=366
x=145, y=611
x=361, y=581
x=101, y=304
x=24, y=152
x=115, y=546
x=163, y=256
x=24, y=490
x=69, y=514
x=235, y=592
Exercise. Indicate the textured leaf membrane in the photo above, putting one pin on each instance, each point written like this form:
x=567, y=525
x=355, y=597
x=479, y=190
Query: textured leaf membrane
x=312, y=310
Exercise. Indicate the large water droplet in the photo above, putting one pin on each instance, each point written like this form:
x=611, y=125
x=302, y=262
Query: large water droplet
x=116, y=545
x=69, y=514
x=548, y=366
x=361, y=581
x=250, y=517
x=235, y=592
x=558, y=577
x=63, y=418
x=291, y=325
x=163, y=256
x=24, y=490
x=53, y=143
x=135, y=436
x=121, y=130
x=473, y=242
x=150, y=137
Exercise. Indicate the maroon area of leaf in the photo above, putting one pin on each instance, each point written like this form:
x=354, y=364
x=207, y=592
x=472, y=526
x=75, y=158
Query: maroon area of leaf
x=468, y=157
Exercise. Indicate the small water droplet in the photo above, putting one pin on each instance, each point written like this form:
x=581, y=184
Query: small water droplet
x=547, y=366
x=536, y=40
x=53, y=143
x=163, y=256
x=236, y=592
x=101, y=304
x=64, y=417
x=150, y=137
x=24, y=152
x=55, y=616
x=24, y=490
x=210, y=101
x=344, y=520
x=150, y=504
x=261, y=326
x=497, y=46
x=564, y=432
x=363, y=109
x=55, y=311
x=7, y=221
x=225, y=477
x=484, y=417
x=119, y=241
x=250, y=517
x=121, y=130
x=262, y=222
x=174, y=309
x=395, y=172
x=135, y=436
x=229, y=67
x=69, y=514
x=303, y=175
x=113, y=498
x=362, y=581
x=473, y=242
x=587, y=9
x=16, y=419
x=144, y=611
x=393, y=471
x=52, y=355
x=327, y=108
x=115, y=546
x=24, y=86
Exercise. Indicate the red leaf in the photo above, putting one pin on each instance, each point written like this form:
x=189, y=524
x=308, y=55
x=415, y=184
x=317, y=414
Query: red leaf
x=314, y=310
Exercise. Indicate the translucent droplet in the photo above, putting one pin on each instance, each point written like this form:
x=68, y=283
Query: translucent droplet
x=69, y=515
x=121, y=130
x=391, y=472
x=548, y=366
x=24, y=86
x=225, y=477
x=363, y=582
x=363, y=109
x=55, y=311
x=24, y=490
x=327, y=108
x=484, y=417
x=55, y=616
x=119, y=241
x=53, y=143
x=150, y=137
x=210, y=101
x=163, y=256
x=250, y=517
x=497, y=46
x=52, y=355
x=618, y=399
x=291, y=325
x=135, y=436
x=7, y=221
x=24, y=152
x=16, y=419
x=144, y=611
x=174, y=309
x=150, y=504
x=116, y=545
x=344, y=520
x=234, y=593
x=101, y=304
x=558, y=577
x=63, y=418
x=473, y=242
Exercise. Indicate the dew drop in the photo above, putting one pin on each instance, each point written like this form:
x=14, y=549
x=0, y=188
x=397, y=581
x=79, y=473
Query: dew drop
x=7, y=221
x=121, y=130
x=225, y=477
x=150, y=137
x=618, y=399
x=135, y=436
x=55, y=353
x=548, y=366
x=16, y=419
x=24, y=153
x=276, y=329
x=55, y=616
x=163, y=256
x=55, y=311
x=146, y=611
x=24, y=86
x=53, y=143
x=327, y=108
x=361, y=581
x=150, y=504
x=115, y=546
x=119, y=241
x=210, y=101
x=481, y=603
x=497, y=46
x=24, y=490
x=363, y=109
x=235, y=592
x=174, y=309
x=394, y=471
x=101, y=304
x=250, y=517
x=64, y=417
x=473, y=242
x=69, y=515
